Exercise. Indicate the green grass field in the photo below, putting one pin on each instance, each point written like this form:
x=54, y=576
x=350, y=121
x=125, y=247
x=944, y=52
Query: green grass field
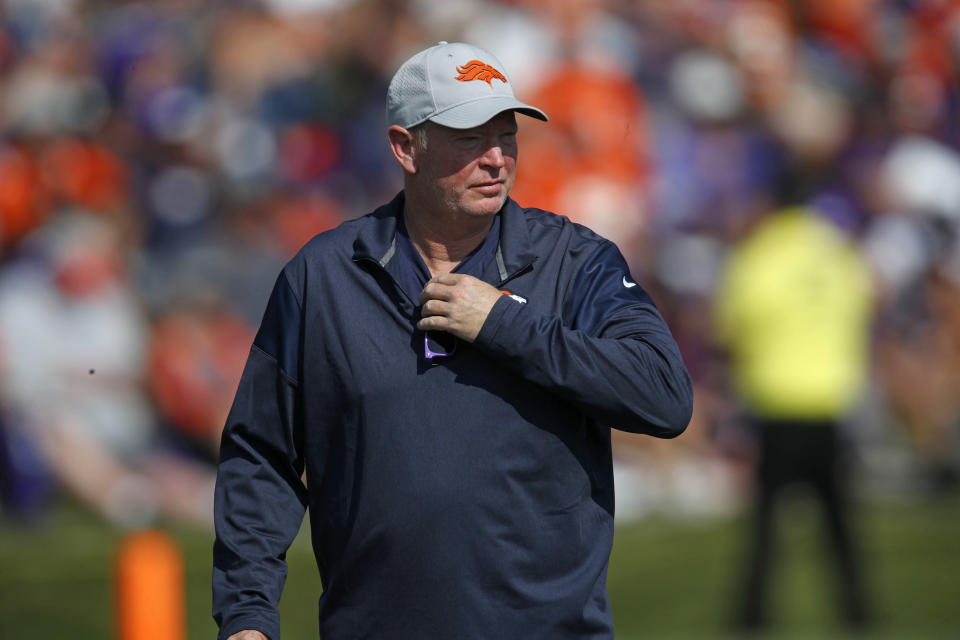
x=668, y=579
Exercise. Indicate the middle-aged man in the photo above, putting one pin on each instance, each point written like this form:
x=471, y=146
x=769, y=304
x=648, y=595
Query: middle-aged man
x=446, y=370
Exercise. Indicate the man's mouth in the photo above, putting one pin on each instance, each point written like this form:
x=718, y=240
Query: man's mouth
x=490, y=187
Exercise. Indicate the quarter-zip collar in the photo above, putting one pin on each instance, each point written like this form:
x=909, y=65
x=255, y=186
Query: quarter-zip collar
x=377, y=239
x=515, y=252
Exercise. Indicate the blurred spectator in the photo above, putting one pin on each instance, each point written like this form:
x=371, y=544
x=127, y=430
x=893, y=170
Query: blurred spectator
x=24, y=198
x=73, y=339
x=919, y=374
x=195, y=359
x=599, y=164
x=794, y=309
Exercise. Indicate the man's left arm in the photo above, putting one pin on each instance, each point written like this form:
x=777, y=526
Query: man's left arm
x=620, y=364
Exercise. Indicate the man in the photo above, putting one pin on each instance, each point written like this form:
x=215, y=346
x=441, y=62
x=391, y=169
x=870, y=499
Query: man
x=446, y=370
x=794, y=311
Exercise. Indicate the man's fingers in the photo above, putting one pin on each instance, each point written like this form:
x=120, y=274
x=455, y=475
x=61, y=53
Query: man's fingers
x=433, y=323
x=449, y=278
x=434, y=290
x=441, y=287
x=434, y=308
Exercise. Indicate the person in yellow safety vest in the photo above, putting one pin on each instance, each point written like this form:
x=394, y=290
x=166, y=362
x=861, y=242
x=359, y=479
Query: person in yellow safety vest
x=794, y=313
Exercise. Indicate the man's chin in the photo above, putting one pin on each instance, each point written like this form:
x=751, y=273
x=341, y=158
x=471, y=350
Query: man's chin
x=488, y=205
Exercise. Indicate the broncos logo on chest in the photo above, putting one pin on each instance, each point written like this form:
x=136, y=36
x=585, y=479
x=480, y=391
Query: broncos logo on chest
x=476, y=70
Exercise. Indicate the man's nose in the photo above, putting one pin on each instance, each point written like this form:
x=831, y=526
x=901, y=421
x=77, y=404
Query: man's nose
x=493, y=156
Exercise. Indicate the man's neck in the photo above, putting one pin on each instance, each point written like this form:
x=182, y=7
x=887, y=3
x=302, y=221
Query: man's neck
x=444, y=240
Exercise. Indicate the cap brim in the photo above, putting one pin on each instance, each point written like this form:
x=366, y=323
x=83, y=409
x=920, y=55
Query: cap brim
x=476, y=112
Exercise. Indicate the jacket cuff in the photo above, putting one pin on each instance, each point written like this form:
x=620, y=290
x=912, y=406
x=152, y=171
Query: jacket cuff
x=502, y=319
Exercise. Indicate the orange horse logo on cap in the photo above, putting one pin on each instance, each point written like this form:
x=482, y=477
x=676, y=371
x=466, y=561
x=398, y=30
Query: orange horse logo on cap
x=476, y=70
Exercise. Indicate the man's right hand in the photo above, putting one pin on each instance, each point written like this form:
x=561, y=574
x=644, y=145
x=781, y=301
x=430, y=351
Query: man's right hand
x=248, y=634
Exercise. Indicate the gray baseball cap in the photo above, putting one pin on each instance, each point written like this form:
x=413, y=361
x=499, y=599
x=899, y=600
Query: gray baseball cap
x=453, y=84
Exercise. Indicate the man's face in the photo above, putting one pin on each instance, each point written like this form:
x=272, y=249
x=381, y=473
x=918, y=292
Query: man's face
x=471, y=171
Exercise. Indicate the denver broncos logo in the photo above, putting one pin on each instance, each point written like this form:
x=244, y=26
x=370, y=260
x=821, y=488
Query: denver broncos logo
x=476, y=70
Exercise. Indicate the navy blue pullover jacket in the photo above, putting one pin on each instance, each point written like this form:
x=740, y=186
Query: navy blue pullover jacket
x=470, y=497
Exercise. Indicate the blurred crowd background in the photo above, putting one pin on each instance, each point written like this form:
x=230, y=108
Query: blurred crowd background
x=161, y=160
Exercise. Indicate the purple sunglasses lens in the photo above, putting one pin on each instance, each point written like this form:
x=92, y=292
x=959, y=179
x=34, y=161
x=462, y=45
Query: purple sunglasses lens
x=436, y=348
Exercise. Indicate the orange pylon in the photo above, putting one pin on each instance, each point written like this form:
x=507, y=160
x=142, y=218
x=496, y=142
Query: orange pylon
x=150, y=588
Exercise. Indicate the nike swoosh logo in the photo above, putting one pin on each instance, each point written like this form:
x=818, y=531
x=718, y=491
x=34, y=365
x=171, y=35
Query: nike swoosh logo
x=627, y=283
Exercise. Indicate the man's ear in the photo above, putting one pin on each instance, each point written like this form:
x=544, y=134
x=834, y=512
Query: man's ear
x=401, y=143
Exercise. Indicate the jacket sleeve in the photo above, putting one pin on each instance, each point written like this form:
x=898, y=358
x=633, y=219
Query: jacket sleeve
x=611, y=353
x=260, y=498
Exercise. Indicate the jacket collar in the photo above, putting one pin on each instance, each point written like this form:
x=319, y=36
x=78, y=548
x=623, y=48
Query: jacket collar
x=377, y=237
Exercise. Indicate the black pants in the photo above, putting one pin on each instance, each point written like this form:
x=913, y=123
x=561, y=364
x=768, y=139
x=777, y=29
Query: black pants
x=809, y=453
